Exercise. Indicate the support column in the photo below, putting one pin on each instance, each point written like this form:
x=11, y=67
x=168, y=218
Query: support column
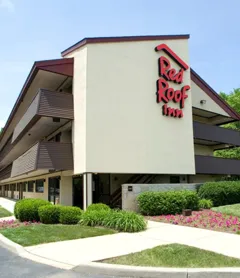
x=87, y=190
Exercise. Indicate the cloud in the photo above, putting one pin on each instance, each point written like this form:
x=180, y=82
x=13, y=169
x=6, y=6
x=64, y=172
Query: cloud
x=7, y=4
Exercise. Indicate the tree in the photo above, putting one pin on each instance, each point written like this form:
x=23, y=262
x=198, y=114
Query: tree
x=233, y=99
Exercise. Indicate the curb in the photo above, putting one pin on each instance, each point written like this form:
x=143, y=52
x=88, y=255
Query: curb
x=22, y=252
x=154, y=272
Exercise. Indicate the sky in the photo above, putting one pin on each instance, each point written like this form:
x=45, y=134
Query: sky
x=33, y=30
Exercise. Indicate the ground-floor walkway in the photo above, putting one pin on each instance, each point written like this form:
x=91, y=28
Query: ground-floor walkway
x=75, y=252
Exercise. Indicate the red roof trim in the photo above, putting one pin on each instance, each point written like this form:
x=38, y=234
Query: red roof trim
x=60, y=66
x=214, y=95
x=121, y=39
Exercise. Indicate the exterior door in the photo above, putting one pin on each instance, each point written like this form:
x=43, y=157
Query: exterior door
x=78, y=191
x=54, y=190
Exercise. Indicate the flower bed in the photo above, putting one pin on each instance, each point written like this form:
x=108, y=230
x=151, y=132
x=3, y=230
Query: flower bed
x=205, y=219
x=14, y=224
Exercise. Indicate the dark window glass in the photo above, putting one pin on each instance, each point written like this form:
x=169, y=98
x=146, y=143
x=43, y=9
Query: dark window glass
x=40, y=186
x=24, y=187
x=174, y=179
x=30, y=186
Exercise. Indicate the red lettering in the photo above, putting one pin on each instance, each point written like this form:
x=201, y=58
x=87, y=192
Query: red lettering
x=178, y=113
x=170, y=93
x=178, y=96
x=162, y=86
x=184, y=95
x=179, y=77
x=171, y=74
x=164, y=109
x=171, y=112
x=164, y=66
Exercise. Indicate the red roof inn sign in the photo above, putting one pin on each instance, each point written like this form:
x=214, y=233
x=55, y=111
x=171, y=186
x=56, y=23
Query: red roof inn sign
x=167, y=74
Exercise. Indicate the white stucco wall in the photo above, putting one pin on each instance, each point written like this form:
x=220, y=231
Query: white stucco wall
x=66, y=191
x=118, y=126
x=198, y=94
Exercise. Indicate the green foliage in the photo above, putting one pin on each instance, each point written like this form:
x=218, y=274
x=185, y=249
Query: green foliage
x=27, y=209
x=205, y=204
x=125, y=221
x=69, y=215
x=94, y=217
x=18, y=203
x=98, y=207
x=169, y=202
x=49, y=214
x=233, y=99
x=221, y=193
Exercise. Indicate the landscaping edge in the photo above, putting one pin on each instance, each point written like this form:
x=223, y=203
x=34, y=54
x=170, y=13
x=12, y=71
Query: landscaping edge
x=97, y=268
x=22, y=252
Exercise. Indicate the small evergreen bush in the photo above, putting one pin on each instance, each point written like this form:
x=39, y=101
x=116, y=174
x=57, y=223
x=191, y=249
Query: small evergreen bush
x=221, y=193
x=205, y=204
x=97, y=207
x=49, y=214
x=27, y=210
x=167, y=202
x=69, y=215
x=18, y=203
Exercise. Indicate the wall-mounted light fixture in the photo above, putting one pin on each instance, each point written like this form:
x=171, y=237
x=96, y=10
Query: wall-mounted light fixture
x=203, y=101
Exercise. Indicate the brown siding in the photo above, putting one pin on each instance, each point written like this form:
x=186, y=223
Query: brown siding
x=216, y=134
x=56, y=104
x=26, y=162
x=6, y=172
x=44, y=156
x=27, y=117
x=55, y=156
x=216, y=165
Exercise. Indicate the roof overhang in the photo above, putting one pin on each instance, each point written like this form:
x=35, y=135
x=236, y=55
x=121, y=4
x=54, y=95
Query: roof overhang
x=60, y=67
x=121, y=39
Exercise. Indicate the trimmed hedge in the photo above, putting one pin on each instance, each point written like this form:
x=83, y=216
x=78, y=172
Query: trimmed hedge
x=99, y=206
x=125, y=221
x=18, y=203
x=49, y=214
x=205, y=204
x=69, y=215
x=27, y=209
x=167, y=202
x=221, y=193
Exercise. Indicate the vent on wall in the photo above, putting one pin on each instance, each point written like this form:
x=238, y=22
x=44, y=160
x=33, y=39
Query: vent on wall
x=56, y=120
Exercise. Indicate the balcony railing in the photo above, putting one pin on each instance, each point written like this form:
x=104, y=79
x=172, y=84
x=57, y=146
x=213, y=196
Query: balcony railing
x=44, y=156
x=48, y=104
x=216, y=165
x=216, y=134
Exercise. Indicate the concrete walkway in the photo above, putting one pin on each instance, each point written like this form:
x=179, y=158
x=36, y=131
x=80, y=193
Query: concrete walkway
x=75, y=252
x=9, y=205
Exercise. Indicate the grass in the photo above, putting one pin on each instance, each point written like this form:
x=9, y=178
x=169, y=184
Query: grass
x=39, y=233
x=4, y=212
x=175, y=255
x=229, y=209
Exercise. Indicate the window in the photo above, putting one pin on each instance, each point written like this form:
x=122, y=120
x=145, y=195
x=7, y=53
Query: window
x=31, y=186
x=24, y=186
x=174, y=179
x=17, y=189
x=40, y=186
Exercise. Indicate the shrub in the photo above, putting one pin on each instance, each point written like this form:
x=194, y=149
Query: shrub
x=99, y=206
x=205, y=204
x=69, y=215
x=221, y=193
x=168, y=202
x=125, y=221
x=94, y=217
x=27, y=210
x=18, y=203
x=49, y=214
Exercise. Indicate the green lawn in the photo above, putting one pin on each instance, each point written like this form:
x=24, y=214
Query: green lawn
x=230, y=209
x=175, y=255
x=4, y=212
x=40, y=233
